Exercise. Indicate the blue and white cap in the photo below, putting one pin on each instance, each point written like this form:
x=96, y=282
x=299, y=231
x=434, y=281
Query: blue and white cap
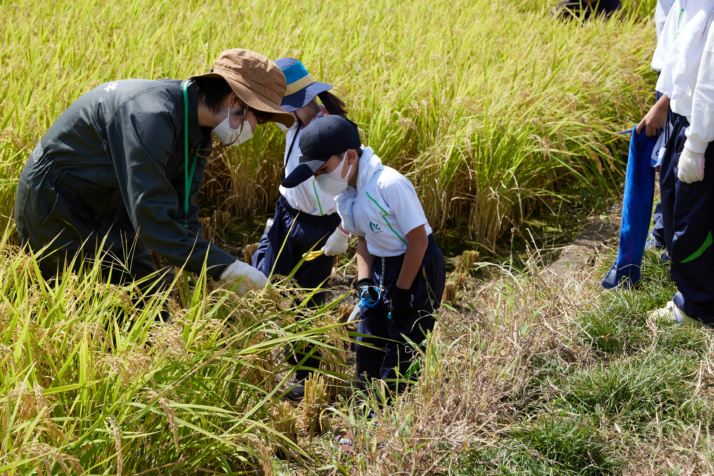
x=301, y=87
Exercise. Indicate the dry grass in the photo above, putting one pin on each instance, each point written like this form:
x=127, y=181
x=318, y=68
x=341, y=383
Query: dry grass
x=476, y=375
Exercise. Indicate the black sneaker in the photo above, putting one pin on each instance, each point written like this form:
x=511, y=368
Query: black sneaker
x=297, y=390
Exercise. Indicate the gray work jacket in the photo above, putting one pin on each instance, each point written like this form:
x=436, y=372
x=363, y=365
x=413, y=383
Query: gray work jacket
x=112, y=168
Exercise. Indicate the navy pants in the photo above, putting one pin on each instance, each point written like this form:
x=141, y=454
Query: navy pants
x=308, y=231
x=658, y=229
x=570, y=8
x=688, y=219
x=389, y=354
x=296, y=233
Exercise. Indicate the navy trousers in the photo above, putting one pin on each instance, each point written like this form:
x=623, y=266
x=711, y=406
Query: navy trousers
x=296, y=233
x=688, y=219
x=307, y=231
x=389, y=355
x=576, y=7
x=658, y=229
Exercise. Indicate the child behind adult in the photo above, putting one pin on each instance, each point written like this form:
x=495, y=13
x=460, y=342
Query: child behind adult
x=305, y=217
x=400, y=269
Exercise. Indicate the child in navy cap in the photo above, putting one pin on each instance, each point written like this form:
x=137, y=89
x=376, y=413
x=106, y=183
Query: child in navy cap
x=400, y=268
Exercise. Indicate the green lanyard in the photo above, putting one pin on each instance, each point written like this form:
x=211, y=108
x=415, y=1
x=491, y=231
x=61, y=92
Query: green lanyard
x=188, y=176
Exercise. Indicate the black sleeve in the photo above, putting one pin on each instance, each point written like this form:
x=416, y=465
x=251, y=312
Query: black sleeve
x=140, y=142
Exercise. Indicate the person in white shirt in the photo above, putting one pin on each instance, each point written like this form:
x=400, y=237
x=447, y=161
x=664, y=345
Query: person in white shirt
x=655, y=121
x=687, y=192
x=305, y=217
x=313, y=211
x=400, y=269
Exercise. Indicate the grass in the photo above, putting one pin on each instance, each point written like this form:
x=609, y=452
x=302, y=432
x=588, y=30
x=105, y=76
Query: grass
x=617, y=393
x=517, y=378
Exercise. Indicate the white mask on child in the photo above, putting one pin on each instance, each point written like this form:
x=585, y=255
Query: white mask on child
x=332, y=183
x=229, y=136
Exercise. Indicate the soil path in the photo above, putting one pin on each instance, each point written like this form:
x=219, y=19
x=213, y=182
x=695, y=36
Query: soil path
x=600, y=233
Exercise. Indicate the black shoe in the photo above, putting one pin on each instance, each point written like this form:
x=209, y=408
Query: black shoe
x=297, y=390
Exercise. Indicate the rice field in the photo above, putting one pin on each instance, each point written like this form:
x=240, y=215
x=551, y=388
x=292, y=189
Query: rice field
x=495, y=111
x=490, y=107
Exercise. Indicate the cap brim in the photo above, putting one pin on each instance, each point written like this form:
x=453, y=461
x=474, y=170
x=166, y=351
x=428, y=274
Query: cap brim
x=255, y=100
x=301, y=173
x=300, y=99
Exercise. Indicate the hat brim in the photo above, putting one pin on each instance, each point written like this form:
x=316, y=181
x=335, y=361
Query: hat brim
x=301, y=98
x=255, y=100
x=302, y=172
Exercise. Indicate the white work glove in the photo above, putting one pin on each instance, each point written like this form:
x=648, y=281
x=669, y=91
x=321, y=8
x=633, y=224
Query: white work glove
x=336, y=243
x=247, y=277
x=691, y=166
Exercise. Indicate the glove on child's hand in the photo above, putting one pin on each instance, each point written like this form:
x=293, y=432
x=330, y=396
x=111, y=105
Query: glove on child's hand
x=336, y=243
x=691, y=166
x=367, y=291
x=248, y=277
x=401, y=305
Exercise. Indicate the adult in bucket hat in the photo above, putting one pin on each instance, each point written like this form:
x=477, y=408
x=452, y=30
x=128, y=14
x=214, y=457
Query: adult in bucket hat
x=116, y=175
x=305, y=217
x=255, y=80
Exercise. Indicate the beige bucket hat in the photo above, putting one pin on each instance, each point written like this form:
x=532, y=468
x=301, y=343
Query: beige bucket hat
x=256, y=80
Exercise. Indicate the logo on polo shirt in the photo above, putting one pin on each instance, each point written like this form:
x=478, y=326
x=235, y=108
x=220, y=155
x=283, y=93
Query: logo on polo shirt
x=374, y=227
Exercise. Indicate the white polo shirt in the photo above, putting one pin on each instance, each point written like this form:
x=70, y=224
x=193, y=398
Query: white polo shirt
x=306, y=197
x=385, y=210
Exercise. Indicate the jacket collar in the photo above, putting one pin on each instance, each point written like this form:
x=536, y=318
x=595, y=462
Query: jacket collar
x=198, y=136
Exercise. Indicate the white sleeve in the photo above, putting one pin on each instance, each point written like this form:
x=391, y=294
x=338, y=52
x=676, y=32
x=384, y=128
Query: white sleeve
x=292, y=138
x=400, y=195
x=701, y=130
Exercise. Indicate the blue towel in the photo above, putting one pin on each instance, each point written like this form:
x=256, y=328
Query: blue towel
x=636, y=213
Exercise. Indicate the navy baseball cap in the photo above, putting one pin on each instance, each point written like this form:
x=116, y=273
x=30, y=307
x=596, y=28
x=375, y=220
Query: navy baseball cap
x=323, y=138
x=301, y=87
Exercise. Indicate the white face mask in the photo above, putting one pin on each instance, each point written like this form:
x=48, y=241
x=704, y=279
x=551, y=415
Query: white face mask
x=229, y=136
x=332, y=183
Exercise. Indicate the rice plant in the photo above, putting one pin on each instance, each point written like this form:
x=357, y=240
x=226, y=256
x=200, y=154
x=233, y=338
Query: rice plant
x=492, y=108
